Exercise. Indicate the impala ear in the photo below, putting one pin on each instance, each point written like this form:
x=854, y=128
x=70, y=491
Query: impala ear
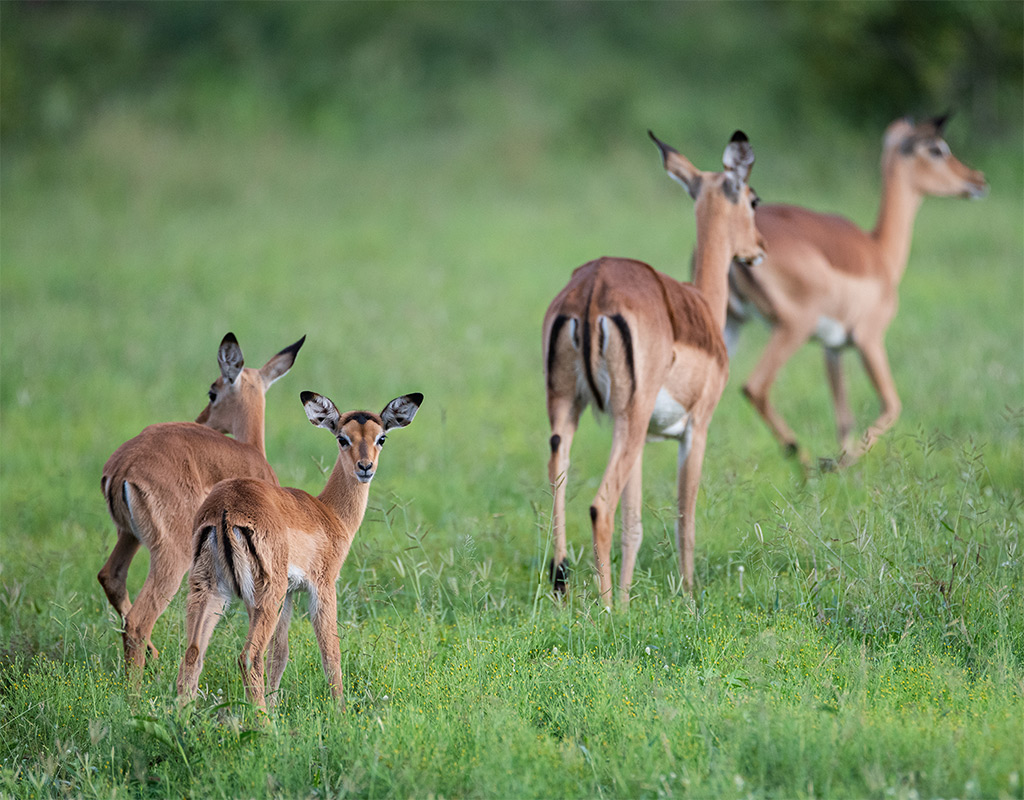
x=400, y=411
x=939, y=122
x=280, y=364
x=321, y=411
x=679, y=167
x=229, y=356
x=738, y=157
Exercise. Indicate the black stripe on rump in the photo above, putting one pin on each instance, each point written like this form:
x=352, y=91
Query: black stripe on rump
x=201, y=539
x=556, y=328
x=627, y=343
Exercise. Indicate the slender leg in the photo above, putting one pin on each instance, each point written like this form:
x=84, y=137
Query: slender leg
x=263, y=617
x=627, y=447
x=166, y=569
x=632, y=527
x=876, y=363
x=203, y=611
x=783, y=343
x=325, y=626
x=277, y=658
x=691, y=463
x=564, y=412
x=837, y=383
x=113, y=577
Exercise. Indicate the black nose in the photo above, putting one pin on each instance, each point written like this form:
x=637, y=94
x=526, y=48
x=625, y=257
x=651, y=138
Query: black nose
x=364, y=466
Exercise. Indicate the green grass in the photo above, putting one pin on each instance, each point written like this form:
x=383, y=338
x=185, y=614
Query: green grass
x=859, y=634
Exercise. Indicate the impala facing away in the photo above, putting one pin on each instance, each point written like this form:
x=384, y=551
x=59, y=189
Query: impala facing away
x=647, y=351
x=262, y=543
x=826, y=278
x=154, y=483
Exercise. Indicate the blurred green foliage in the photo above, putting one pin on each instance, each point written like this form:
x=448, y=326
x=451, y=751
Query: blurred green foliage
x=360, y=66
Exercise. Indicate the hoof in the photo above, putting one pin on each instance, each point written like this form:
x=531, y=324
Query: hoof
x=559, y=575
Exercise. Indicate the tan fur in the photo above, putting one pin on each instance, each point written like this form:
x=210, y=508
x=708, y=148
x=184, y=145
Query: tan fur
x=166, y=471
x=823, y=266
x=674, y=334
x=265, y=542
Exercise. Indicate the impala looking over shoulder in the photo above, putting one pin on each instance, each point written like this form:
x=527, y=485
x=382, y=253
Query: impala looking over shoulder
x=154, y=483
x=824, y=277
x=262, y=543
x=648, y=352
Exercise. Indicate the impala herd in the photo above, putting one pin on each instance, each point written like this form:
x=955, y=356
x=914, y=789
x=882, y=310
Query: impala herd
x=644, y=349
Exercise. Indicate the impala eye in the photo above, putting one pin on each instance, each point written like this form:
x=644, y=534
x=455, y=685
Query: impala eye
x=212, y=395
x=935, y=151
x=380, y=441
x=755, y=201
x=344, y=441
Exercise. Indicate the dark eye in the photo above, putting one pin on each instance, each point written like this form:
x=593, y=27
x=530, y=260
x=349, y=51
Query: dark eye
x=380, y=441
x=344, y=442
x=935, y=151
x=755, y=201
x=212, y=395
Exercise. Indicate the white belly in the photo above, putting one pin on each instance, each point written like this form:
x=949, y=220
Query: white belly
x=830, y=332
x=669, y=420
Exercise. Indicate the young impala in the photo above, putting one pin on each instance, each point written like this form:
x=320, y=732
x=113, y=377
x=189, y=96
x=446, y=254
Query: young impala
x=826, y=278
x=262, y=543
x=647, y=351
x=154, y=483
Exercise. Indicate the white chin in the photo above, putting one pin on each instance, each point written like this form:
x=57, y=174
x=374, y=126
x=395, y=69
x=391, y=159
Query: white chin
x=364, y=478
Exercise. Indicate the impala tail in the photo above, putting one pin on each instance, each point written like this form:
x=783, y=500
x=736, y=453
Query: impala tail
x=237, y=564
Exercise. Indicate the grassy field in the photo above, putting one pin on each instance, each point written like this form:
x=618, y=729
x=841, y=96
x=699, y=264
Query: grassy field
x=855, y=634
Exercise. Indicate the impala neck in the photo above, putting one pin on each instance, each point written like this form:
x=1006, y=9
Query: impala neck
x=711, y=259
x=249, y=430
x=895, y=225
x=346, y=496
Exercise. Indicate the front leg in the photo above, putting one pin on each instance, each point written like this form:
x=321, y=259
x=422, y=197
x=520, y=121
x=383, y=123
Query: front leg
x=691, y=462
x=325, y=626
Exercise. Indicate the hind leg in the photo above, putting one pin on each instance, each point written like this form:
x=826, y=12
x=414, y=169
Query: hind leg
x=113, y=577
x=565, y=415
x=166, y=569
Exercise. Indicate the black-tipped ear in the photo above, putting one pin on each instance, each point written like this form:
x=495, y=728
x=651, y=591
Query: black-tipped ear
x=400, y=411
x=280, y=363
x=229, y=357
x=320, y=411
x=939, y=122
x=678, y=167
x=662, y=147
x=739, y=156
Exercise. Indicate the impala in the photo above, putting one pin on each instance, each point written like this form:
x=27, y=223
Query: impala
x=262, y=542
x=824, y=277
x=154, y=483
x=647, y=351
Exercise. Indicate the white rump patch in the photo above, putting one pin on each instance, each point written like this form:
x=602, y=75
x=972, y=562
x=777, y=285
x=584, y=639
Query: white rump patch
x=830, y=332
x=574, y=326
x=126, y=492
x=245, y=583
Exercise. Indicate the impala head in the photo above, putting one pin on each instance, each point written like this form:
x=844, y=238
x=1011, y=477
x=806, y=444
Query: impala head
x=724, y=200
x=360, y=434
x=934, y=170
x=239, y=391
